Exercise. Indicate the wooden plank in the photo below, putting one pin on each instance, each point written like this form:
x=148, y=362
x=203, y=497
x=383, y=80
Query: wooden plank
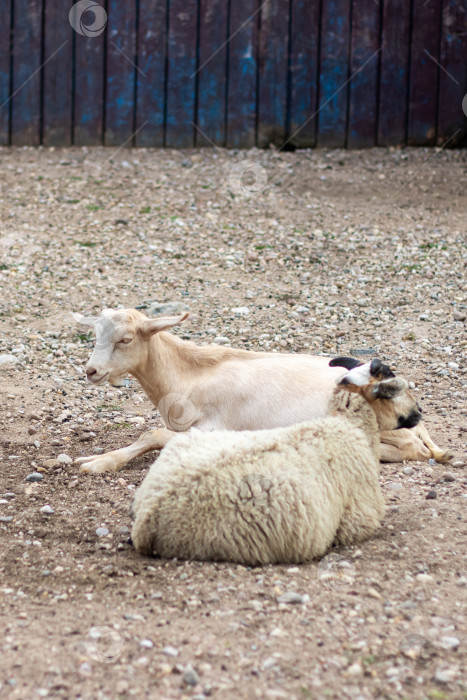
x=88, y=114
x=333, y=80
x=273, y=73
x=58, y=75
x=453, y=76
x=364, y=66
x=5, y=86
x=423, y=90
x=304, y=62
x=181, y=73
x=120, y=74
x=27, y=60
x=212, y=73
x=150, y=78
x=394, y=73
x=242, y=71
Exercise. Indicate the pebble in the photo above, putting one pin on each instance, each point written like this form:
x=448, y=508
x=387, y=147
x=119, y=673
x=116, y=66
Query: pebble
x=51, y=463
x=431, y=494
x=64, y=459
x=166, y=308
x=34, y=476
x=190, y=677
x=459, y=315
x=241, y=311
x=47, y=510
x=407, y=471
x=102, y=531
x=221, y=340
x=146, y=644
x=9, y=494
x=170, y=651
x=6, y=518
x=394, y=485
x=291, y=597
x=445, y=675
x=432, y=462
x=449, y=642
x=449, y=476
x=7, y=360
x=458, y=463
x=424, y=578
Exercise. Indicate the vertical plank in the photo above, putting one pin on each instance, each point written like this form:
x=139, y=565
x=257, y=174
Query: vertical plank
x=27, y=59
x=364, y=65
x=5, y=87
x=242, y=71
x=88, y=114
x=181, y=73
x=58, y=75
x=150, y=78
x=453, y=77
x=423, y=90
x=333, y=85
x=212, y=77
x=273, y=72
x=120, y=77
x=394, y=73
x=304, y=60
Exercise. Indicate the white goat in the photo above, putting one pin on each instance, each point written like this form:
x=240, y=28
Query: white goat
x=270, y=496
x=212, y=387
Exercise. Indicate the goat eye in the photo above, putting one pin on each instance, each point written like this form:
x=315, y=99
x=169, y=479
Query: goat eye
x=124, y=341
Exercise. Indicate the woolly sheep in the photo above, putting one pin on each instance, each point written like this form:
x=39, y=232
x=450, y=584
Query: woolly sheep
x=270, y=496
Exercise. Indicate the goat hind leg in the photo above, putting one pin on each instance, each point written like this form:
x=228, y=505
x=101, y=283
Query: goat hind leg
x=400, y=445
x=440, y=455
x=116, y=459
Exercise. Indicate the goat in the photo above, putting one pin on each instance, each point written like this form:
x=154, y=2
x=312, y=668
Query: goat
x=211, y=387
x=277, y=496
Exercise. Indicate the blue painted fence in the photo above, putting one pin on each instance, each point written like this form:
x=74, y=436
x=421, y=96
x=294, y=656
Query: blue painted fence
x=235, y=73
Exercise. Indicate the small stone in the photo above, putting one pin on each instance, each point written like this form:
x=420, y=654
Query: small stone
x=146, y=644
x=407, y=471
x=445, y=675
x=458, y=463
x=241, y=311
x=221, y=340
x=102, y=531
x=167, y=308
x=190, y=677
x=290, y=597
x=424, y=578
x=34, y=476
x=459, y=315
x=449, y=642
x=431, y=494
x=453, y=365
x=137, y=420
x=47, y=510
x=9, y=494
x=7, y=361
x=124, y=530
x=64, y=459
x=170, y=651
x=449, y=476
x=432, y=462
x=51, y=463
x=361, y=302
x=6, y=519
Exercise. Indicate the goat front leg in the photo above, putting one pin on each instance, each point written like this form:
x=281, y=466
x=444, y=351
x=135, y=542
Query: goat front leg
x=400, y=445
x=439, y=454
x=117, y=459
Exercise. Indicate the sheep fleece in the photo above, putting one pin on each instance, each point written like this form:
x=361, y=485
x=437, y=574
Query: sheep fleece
x=270, y=496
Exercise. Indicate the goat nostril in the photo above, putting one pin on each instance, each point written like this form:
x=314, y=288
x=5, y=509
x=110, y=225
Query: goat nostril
x=90, y=371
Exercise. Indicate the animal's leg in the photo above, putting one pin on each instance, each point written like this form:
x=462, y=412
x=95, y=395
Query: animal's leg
x=439, y=454
x=400, y=445
x=117, y=459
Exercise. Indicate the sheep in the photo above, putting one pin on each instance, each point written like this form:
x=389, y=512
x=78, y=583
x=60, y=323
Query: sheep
x=279, y=496
x=211, y=387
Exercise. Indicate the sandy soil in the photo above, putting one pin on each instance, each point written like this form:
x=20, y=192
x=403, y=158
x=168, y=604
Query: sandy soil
x=332, y=252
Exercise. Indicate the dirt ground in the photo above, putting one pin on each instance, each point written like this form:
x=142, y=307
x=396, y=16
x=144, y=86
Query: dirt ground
x=331, y=252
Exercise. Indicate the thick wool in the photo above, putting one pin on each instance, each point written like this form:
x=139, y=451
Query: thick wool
x=264, y=497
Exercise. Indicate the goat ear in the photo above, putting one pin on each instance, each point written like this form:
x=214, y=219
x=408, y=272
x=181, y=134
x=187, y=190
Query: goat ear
x=84, y=323
x=379, y=370
x=347, y=362
x=163, y=323
x=389, y=388
x=360, y=375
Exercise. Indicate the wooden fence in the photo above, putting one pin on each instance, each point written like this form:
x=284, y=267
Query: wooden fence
x=235, y=73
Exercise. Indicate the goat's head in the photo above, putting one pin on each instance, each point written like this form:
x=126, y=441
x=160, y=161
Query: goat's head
x=122, y=342
x=388, y=395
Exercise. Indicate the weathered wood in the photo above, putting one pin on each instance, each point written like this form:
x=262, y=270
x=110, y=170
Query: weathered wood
x=120, y=77
x=364, y=66
x=212, y=73
x=150, y=78
x=5, y=87
x=334, y=75
x=273, y=72
x=452, y=122
x=89, y=90
x=27, y=61
x=242, y=74
x=58, y=75
x=424, y=69
x=181, y=76
x=394, y=73
x=304, y=62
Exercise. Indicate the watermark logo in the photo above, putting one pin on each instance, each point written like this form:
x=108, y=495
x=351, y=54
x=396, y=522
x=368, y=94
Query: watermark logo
x=417, y=649
x=255, y=489
x=464, y=104
x=103, y=644
x=247, y=179
x=335, y=571
x=88, y=18
x=178, y=412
